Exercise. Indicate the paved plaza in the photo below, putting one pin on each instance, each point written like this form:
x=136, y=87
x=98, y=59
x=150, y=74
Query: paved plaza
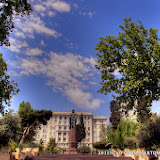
x=77, y=157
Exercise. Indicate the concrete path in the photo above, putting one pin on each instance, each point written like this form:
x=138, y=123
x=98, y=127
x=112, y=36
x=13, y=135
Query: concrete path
x=77, y=157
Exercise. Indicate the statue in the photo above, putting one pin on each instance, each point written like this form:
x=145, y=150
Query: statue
x=73, y=120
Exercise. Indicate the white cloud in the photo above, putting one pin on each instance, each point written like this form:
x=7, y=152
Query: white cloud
x=65, y=74
x=19, y=34
x=57, y=5
x=51, y=14
x=39, y=8
x=34, y=52
x=31, y=24
x=17, y=45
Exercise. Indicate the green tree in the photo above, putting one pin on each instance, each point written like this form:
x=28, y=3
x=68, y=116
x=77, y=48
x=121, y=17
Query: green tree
x=80, y=130
x=125, y=129
x=31, y=119
x=9, y=125
x=148, y=134
x=7, y=88
x=115, y=114
x=8, y=9
x=135, y=53
x=51, y=145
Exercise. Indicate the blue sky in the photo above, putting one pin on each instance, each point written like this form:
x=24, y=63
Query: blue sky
x=52, y=52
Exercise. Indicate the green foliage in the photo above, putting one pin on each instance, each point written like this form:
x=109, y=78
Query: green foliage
x=13, y=145
x=115, y=114
x=51, y=145
x=7, y=10
x=148, y=134
x=41, y=146
x=80, y=130
x=7, y=88
x=84, y=149
x=9, y=125
x=31, y=120
x=56, y=151
x=135, y=53
x=125, y=129
x=100, y=145
x=130, y=142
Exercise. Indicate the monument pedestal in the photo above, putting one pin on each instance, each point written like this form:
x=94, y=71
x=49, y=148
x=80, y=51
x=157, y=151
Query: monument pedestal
x=72, y=143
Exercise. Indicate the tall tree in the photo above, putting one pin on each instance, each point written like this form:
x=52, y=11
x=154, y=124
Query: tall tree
x=9, y=125
x=7, y=88
x=148, y=134
x=135, y=53
x=31, y=119
x=80, y=130
x=8, y=9
x=115, y=114
x=126, y=129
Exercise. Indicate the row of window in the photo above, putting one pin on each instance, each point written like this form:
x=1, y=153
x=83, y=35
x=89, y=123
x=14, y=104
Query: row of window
x=65, y=117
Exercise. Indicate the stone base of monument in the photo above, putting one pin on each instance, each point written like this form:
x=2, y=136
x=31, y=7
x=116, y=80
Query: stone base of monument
x=71, y=151
x=72, y=143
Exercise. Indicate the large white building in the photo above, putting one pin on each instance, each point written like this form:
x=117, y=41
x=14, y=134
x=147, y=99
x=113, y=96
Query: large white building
x=59, y=125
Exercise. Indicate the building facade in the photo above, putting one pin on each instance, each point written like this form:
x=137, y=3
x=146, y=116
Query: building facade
x=58, y=127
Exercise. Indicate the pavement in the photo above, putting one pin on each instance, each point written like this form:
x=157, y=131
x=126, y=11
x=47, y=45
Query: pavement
x=76, y=157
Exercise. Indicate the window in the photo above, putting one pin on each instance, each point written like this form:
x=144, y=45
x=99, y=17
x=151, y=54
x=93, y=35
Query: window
x=50, y=133
x=44, y=136
x=64, y=139
x=65, y=118
x=89, y=128
x=88, y=122
x=50, y=127
x=88, y=134
x=59, y=134
x=64, y=134
x=65, y=128
x=54, y=133
x=88, y=117
x=44, y=130
x=84, y=117
x=88, y=139
x=60, y=117
x=55, y=121
x=59, y=139
x=60, y=127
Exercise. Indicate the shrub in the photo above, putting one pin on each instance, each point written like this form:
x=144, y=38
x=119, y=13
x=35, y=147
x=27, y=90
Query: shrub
x=56, y=150
x=131, y=142
x=51, y=145
x=84, y=149
x=13, y=145
x=100, y=145
x=40, y=145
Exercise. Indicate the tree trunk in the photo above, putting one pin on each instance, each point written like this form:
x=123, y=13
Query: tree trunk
x=26, y=132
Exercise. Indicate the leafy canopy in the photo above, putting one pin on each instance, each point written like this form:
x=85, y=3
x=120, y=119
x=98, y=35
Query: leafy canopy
x=9, y=125
x=7, y=88
x=125, y=129
x=31, y=120
x=8, y=9
x=135, y=53
x=115, y=114
x=148, y=134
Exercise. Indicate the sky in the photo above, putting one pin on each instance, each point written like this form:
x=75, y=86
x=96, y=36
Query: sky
x=52, y=53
